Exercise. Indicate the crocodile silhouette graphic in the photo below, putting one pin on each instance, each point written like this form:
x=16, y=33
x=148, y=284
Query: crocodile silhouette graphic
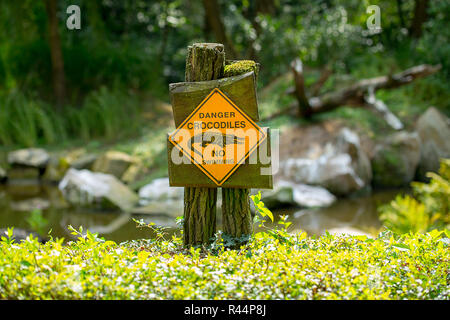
x=216, y=138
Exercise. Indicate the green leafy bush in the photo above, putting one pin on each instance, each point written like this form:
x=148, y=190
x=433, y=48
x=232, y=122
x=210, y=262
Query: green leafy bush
x=428, y=209
x=270, y=266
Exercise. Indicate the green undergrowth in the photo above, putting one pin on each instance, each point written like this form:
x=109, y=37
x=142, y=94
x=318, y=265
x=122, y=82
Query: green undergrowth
x=426, y=209
x=108, y=114
x=273, y=265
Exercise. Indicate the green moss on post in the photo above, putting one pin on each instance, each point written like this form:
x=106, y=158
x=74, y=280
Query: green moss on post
x=235, y=68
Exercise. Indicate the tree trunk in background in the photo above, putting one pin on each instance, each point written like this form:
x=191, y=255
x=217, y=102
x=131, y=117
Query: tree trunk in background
x=400, y=13
x=267, y=7
x=214, y=19
x=58, y=76
x=203, y=62
x=304, y=108
x=420, y=16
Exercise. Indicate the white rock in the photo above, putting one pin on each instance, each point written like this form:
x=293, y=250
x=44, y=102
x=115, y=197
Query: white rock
x=84, y=187
x=286, y=192
x=433, y=128
x=342, y=167
x=159, y=190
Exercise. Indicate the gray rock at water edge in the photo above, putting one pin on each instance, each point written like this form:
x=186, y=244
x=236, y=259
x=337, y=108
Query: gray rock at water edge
x=58, y=164
x=3, y=176
x=434, y=131
x=133, y=173
x=289, y=193
x=395, y=160
x=342, y=167
x=348, y=142
x=54, y=171
x=85, y=161
x=159, y=190
x=113, y=162
x=85, y=188
x=32, y=157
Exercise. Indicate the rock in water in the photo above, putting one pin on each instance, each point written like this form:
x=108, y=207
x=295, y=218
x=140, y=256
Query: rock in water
x=56, y=169
x=27, y=163
x=342, y=167
x=396, y=159
x=32, y=157
x=434, y=131
x=348, y=143
x=158, y=198
x=85, y=161
x=3, y=175
x=83, y=187
x=285, y=192
x=158, y=190
x=60, y=162
x=133, y=173
x=113, y=162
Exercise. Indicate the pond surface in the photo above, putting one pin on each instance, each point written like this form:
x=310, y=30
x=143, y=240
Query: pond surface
x=18, y=199
x=349, y=214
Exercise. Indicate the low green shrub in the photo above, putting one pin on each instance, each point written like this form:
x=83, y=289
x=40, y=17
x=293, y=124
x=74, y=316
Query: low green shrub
x=274, y=265
x=427, y=209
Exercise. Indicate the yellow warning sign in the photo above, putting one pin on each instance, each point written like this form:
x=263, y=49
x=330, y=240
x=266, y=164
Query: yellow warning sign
x=217, y=136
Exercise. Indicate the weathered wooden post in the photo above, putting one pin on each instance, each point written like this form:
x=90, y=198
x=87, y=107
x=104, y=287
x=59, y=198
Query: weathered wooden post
x=203, y=62
x=216, y=132
x=237, y=220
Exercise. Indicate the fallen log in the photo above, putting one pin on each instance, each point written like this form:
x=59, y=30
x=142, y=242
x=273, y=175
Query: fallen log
x=359, y=94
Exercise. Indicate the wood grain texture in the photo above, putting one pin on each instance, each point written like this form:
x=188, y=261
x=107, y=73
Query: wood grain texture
x=186, y=96
x=204, y=61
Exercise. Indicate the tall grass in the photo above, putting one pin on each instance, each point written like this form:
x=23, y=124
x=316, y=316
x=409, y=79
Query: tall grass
x=25, y=121
x=105, y=113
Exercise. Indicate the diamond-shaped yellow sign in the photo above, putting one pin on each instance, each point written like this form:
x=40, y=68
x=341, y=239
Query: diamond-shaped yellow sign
x=217, y=136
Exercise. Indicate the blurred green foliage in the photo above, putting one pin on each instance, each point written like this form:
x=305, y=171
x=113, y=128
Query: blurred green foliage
x=37, y=222
x=141, y=46
x=426, y=210
x=107, y=113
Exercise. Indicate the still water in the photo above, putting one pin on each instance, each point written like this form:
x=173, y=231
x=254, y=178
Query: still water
x=19, y=199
